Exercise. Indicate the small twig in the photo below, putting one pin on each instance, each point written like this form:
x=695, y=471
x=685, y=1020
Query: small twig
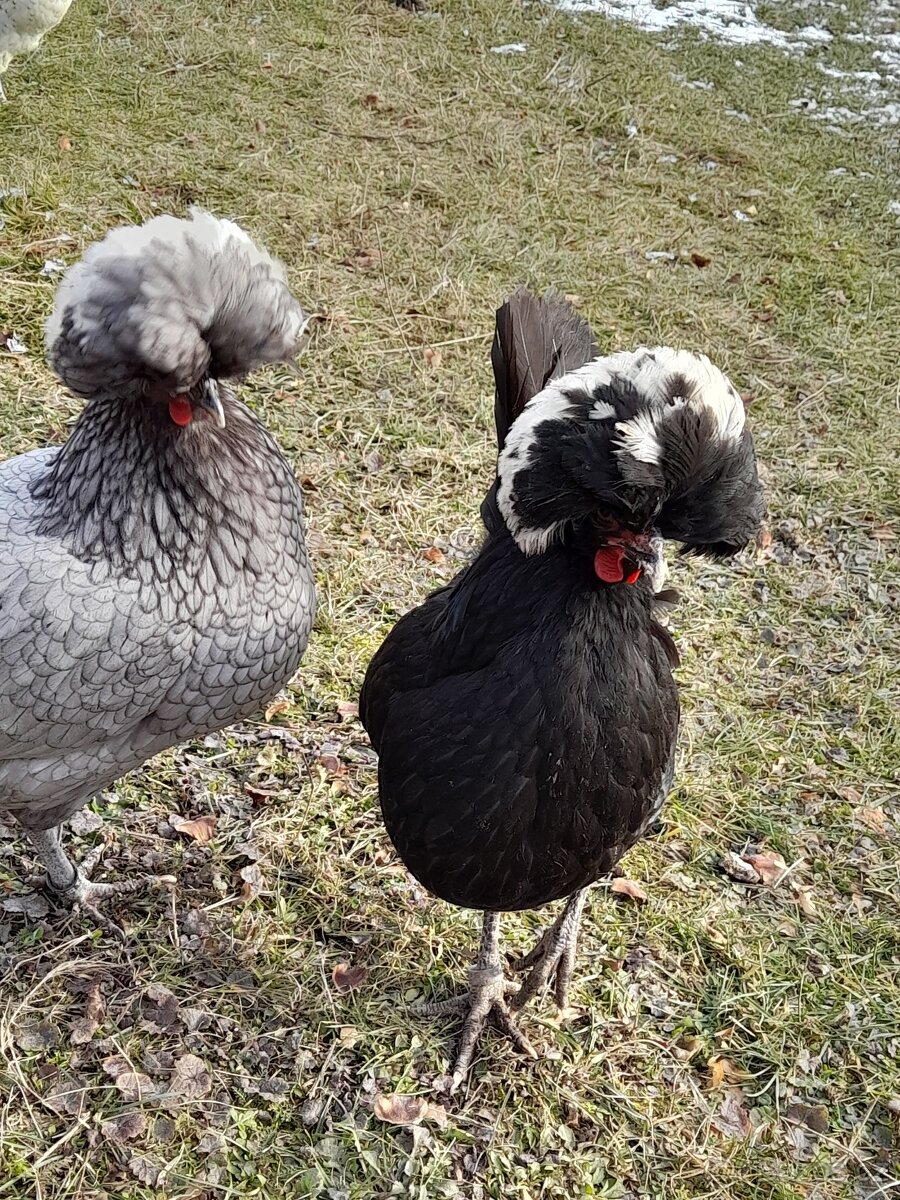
x=472, y=337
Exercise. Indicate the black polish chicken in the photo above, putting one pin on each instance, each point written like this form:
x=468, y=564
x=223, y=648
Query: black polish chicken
x=525, y=716
x=154, y=580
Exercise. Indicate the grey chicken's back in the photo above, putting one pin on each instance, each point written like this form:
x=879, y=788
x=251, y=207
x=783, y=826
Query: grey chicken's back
x=101, y=668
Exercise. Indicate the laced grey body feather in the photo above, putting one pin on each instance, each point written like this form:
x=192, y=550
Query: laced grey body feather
x=154, y=581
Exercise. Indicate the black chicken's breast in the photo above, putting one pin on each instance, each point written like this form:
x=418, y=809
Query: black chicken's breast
x=525, y=720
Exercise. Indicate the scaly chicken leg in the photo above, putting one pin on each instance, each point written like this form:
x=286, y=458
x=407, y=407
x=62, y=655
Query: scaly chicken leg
x=486, y=997
x=73, y=884
x=554, y=952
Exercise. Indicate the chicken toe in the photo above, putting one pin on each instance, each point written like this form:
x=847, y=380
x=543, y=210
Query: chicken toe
x=73, y=886
x=486, y=998
x=553, y=956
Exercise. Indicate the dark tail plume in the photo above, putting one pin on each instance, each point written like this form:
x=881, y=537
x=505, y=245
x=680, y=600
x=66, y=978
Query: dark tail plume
x=536, y=339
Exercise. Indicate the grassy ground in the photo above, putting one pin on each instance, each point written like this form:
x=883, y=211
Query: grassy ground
x=733, y=1040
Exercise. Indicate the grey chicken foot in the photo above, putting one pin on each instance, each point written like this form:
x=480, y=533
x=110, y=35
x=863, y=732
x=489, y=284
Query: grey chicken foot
x=74, y=886
x=485, y=999
x=554, y=955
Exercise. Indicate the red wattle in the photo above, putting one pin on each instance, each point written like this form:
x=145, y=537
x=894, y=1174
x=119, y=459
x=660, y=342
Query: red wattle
x=634, y=576
x=608, y=564
x=180, y=410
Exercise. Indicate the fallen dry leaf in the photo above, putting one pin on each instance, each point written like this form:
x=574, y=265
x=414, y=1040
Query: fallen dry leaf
x=278, y=706
x=93, y=1002
x=764, y=539
x=805, y=903
x=83, y=1029
x=348, y=710
x=738, y=868
x=768, y=865
x=732, y=1118
x=253, y=881
x=627, y=887
x=64, y=144
x=433, y=358
x=850, y=794
x=723, y=1071
x=125, y=1127
x=115, y=1065
x=433, y=555
x=884, y=533
x=813, y=1116
x=408, y=1110
x=211, y=1142
x=200, y=829
x=260, y=795
x=363, y=259
x=32, y=905
x=145, y=1170
x=700, y=260
x=346, y=978
x=190, y=1078
x=37, y=1036
x=873, y=818
x=66, y=1097
x=134, y=1086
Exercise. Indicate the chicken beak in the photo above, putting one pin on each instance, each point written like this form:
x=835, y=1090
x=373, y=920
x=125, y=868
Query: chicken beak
x=210, y=400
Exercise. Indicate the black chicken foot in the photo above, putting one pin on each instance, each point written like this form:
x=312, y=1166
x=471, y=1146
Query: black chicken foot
x=553, y=954
x=488, y=989
x=73, y=885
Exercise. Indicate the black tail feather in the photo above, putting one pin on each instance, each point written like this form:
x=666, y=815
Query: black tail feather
x=536, y=339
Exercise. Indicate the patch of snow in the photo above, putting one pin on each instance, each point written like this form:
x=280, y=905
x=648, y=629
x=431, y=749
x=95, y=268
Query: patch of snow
x=740, y=216
x=723, y=20
x=836, y=73
x=659, y=256
x=510, y=48
x=894, y=208
x=881, y=116
x=14, y=346
x=738, y=115
x=631, y=130
x=667, y=158
x=53, y=266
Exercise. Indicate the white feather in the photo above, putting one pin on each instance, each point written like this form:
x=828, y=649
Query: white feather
x=602, y=411
x=650, y=372
x=552, y=404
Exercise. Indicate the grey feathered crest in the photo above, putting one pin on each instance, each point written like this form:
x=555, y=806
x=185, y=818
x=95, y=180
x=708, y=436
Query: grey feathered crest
x=170, y=300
